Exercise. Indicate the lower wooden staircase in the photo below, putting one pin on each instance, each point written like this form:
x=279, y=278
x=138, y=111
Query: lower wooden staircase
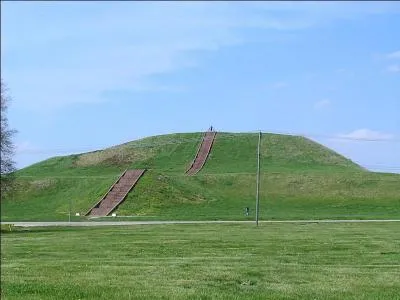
x=116, y=194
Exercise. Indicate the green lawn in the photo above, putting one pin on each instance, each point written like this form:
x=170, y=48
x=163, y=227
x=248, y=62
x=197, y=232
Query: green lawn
x=274, y=261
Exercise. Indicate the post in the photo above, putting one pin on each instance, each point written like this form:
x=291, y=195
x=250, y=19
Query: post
x=258, y=178
x=69, y=214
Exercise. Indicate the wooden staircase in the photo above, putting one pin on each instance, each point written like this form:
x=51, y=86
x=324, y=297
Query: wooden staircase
x=202, y=153
x=116, y=194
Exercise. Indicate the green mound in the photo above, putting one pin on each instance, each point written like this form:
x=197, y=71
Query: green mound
x=300, y=179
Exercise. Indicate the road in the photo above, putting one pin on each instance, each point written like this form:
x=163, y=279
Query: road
x=127, y=223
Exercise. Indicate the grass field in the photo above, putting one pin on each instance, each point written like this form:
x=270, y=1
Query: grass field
x=300, y=180
x=274, y=261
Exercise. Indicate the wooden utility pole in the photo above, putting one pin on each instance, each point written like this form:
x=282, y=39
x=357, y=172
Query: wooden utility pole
x=258, y=178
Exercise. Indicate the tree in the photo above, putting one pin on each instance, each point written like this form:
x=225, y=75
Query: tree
x=7, y=147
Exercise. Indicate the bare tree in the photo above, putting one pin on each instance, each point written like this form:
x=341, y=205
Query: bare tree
x=7, y=147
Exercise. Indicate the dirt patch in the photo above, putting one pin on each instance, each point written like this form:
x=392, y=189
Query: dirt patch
x=43, y=183
x=113, y=156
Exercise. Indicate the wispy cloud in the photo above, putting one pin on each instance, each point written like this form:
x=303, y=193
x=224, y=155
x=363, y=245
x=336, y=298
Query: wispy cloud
x=325, y=103
x=341, y=71
x=394, y=55
x=78, y=51
x=25, y=147
x=278, y=85
x=393, y=68
x=345, y=72
x=367, y=134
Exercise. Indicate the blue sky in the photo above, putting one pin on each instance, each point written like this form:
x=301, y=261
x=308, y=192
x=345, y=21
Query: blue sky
x=87, y=75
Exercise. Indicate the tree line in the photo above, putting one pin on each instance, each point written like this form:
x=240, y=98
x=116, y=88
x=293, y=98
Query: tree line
x=7, y=167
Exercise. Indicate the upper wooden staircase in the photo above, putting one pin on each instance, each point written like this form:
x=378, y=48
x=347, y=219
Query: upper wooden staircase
x=202, y=153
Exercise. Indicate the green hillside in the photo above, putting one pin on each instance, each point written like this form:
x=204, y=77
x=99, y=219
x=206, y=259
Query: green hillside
x=300, y=179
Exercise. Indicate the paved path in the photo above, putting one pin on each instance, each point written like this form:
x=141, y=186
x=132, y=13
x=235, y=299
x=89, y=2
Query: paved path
x=124, y=223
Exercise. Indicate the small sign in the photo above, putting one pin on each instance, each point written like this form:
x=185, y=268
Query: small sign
x=114, y=215
x=77, y=214
x=246, y=211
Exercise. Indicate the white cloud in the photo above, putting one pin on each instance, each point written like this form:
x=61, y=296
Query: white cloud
x=322, y=104
x=366, y=134
x=393, y=68
x=394, y=55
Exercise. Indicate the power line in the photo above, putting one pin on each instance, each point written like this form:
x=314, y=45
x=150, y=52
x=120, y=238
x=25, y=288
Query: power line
x=187, y=140
x=339, y=137
x=289, y=172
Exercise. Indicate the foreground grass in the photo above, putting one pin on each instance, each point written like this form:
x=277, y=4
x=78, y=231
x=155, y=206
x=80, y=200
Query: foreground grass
x=278, y=261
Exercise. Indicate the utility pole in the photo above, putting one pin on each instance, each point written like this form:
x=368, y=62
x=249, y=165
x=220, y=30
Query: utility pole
x=258, y=178
x=69, y=214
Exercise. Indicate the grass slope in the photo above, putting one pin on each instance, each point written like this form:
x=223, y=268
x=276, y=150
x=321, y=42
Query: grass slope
x=275, y=261
x=300, y=180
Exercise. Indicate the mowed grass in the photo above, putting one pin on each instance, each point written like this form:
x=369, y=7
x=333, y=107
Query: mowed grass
x=273, y=261
x=237, y=153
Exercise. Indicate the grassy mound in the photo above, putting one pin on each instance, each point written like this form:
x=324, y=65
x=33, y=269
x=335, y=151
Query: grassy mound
x=300, y=180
